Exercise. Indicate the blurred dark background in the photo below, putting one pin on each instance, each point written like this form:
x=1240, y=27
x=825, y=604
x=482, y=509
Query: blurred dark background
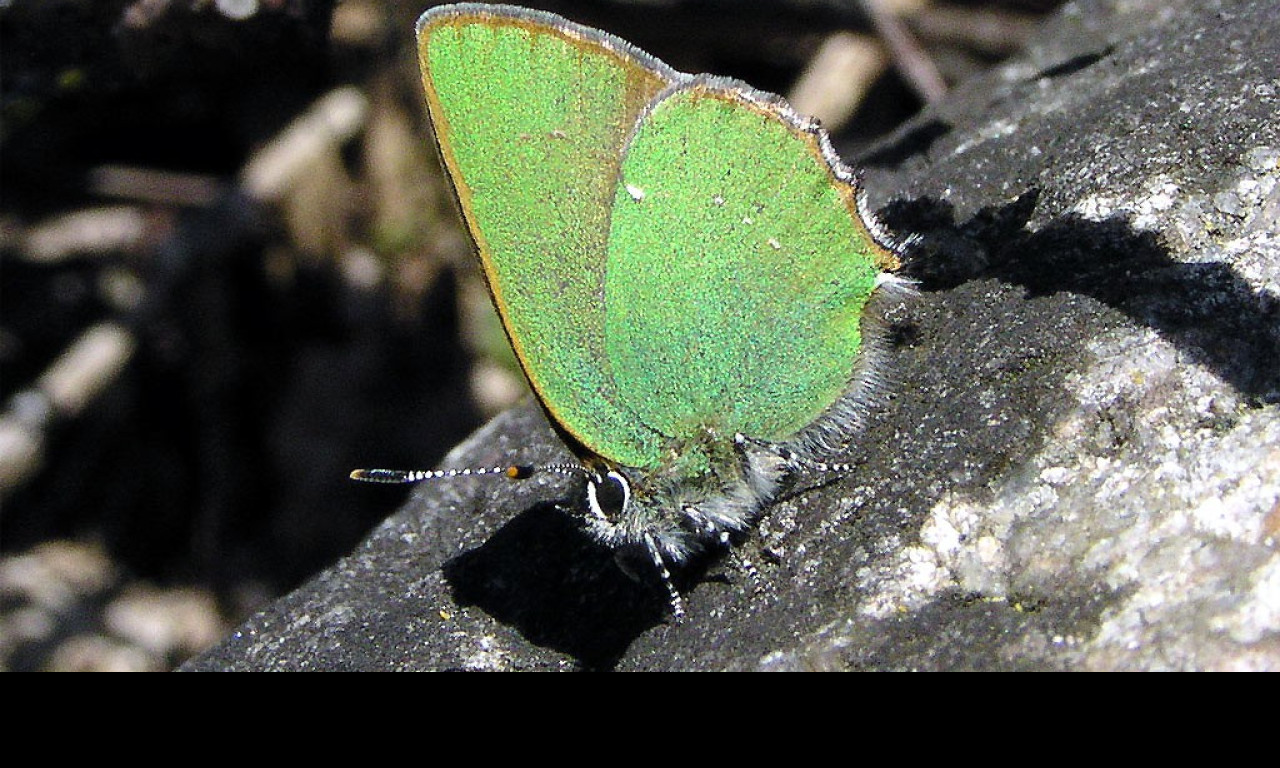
x=230, y=273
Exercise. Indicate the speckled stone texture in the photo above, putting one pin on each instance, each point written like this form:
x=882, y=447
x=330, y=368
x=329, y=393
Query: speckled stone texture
x=1080, y=468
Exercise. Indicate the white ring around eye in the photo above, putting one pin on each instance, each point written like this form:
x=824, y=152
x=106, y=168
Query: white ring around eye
x=626, y=488
x=593, y=499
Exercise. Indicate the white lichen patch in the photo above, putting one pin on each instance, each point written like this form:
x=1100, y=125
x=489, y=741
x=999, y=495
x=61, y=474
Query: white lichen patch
x=996, y=129
x=912, y=579
x=485, y=655
x=1194, y=221
x=1144, y=210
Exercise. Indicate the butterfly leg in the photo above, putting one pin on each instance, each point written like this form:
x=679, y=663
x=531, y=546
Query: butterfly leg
x=749, y=568
x=677, y=602
x=710, y=530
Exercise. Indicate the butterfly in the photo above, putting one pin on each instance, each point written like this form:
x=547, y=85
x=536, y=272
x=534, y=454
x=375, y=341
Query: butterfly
x=687, y=272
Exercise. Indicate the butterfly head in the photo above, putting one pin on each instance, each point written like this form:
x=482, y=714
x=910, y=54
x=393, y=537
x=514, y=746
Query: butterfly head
x=701, y=496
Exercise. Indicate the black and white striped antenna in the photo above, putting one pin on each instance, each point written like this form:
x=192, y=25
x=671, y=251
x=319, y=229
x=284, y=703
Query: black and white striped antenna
x=513, y=471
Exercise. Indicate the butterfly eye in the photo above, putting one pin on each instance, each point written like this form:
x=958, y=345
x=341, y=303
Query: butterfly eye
x=608, y=495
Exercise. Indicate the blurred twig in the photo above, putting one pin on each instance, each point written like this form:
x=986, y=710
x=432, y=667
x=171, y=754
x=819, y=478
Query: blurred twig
x=991, y=31
x=73, y=381
x=322, y=129
x=838, y=77
x=909, y=58
x=154, y=186
x=95, y=231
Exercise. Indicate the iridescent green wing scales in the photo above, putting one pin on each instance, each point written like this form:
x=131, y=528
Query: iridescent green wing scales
x=738, y=267
x=531, y=120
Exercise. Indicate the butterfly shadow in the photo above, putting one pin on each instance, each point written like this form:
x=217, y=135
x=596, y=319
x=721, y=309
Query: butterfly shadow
x=1206, y=309
x=541, y=574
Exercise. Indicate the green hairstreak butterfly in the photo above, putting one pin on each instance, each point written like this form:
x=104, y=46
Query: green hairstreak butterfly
x=685, y=269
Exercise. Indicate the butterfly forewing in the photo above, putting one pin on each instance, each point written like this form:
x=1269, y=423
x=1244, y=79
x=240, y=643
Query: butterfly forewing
x=531, y=114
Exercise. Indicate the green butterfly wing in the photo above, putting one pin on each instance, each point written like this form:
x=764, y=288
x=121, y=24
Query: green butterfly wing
x=738, y=269
x=669, y=254
x=531, y=114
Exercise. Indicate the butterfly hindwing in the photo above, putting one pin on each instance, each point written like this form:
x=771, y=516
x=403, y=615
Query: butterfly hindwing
x=738, y=267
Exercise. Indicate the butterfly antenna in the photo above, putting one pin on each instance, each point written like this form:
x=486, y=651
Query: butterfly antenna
x=513, y=471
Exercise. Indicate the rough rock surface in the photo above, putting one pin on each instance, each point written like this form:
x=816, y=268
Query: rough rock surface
x=1080, y=468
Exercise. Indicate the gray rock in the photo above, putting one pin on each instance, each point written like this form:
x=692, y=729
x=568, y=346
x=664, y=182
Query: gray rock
x=1080, y=468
